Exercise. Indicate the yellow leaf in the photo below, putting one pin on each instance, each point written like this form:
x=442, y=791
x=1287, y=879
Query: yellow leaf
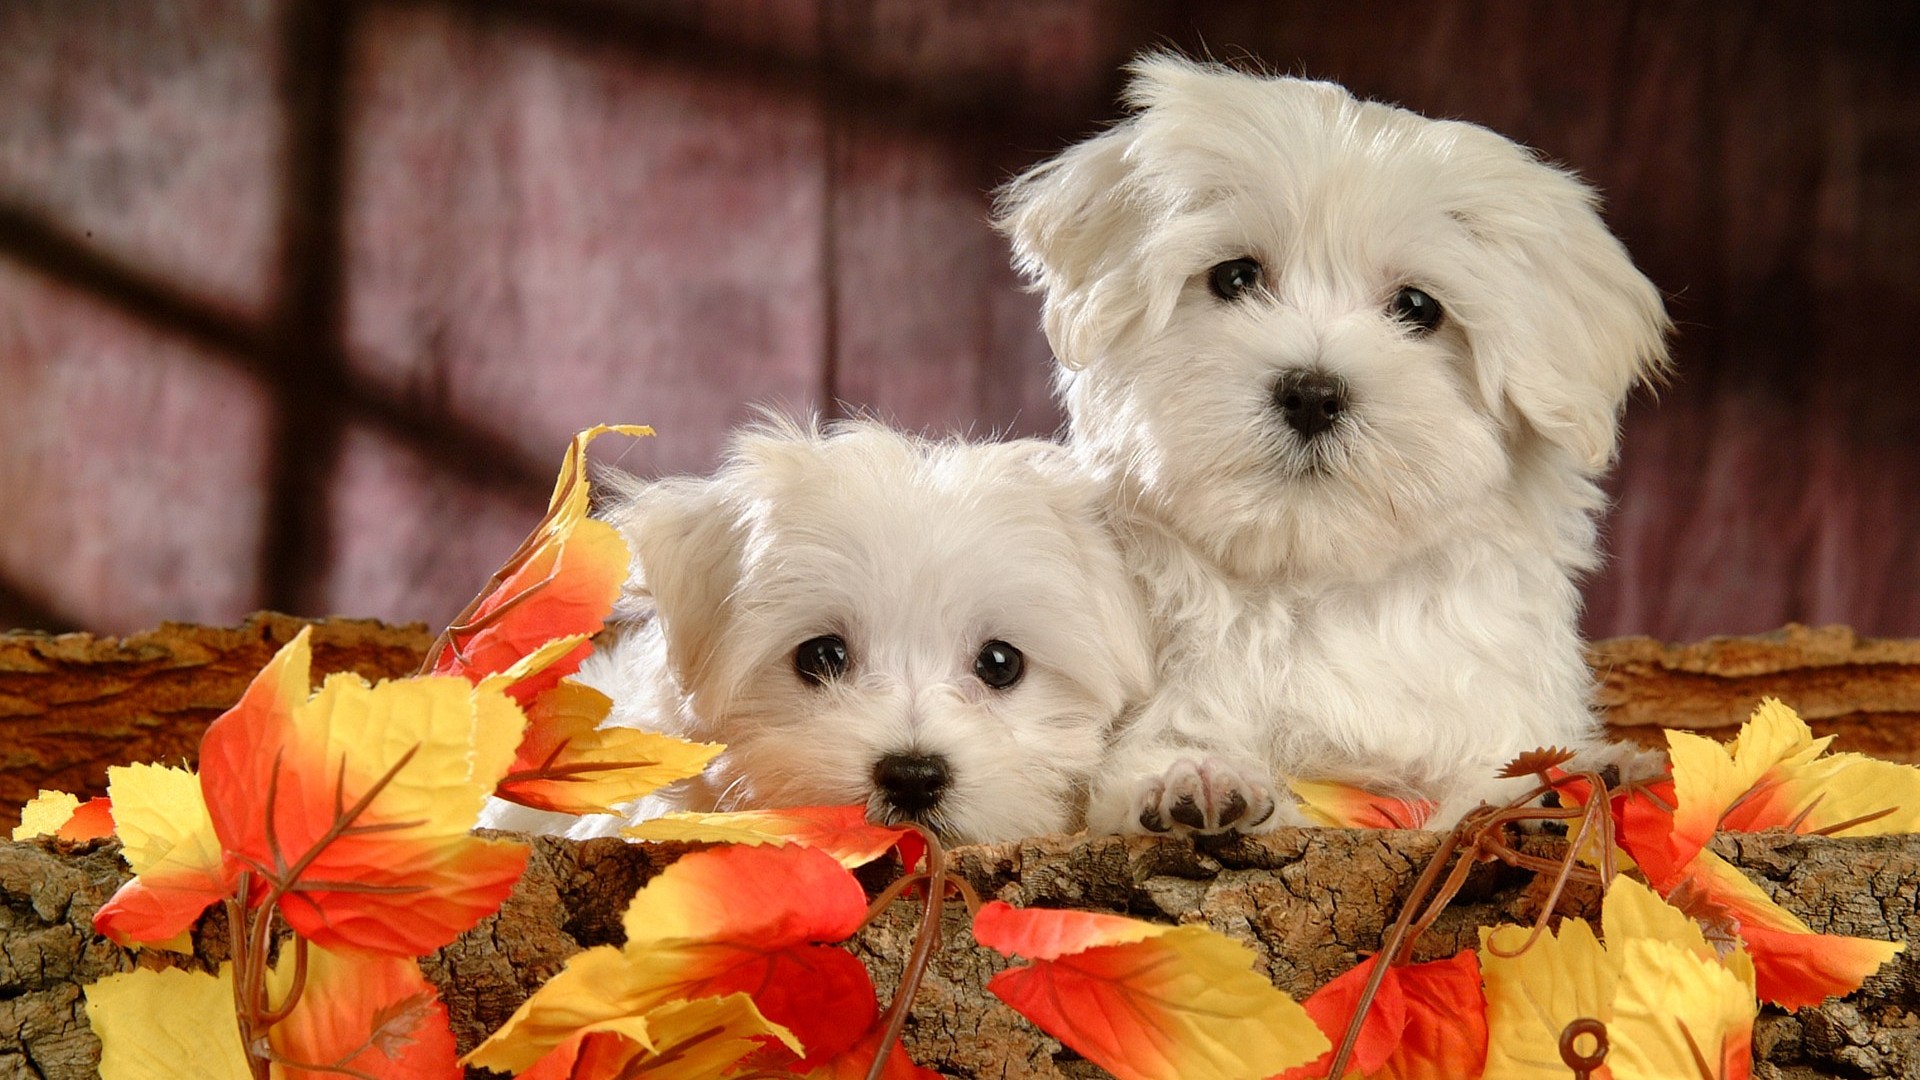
x=1773, y=775
x=1631, y=911
x=44, y=814
x=1673, y=1010
x=167, y=1025
x=569, y=763
x=1532, y=997
x=681, y=1040
x=596, y=986
x=162, y=821
x=167, y=837
x=841, y=831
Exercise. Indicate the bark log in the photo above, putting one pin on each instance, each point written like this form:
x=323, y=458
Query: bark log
x=73, y=704
x=1863, y=691
x=1309, y=903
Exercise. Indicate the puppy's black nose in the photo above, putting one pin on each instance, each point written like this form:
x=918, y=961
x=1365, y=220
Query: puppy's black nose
x=1309, y=401
x=912, y=782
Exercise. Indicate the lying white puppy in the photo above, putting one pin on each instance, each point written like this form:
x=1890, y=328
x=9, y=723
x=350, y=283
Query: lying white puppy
x=1350, y=375
x=942, y=631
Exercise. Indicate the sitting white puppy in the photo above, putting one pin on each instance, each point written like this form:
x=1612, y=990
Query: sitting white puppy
x=942, y=631
x=1350, y=374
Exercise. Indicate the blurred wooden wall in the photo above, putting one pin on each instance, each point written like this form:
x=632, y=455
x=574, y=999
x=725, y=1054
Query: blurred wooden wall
x=300, y=299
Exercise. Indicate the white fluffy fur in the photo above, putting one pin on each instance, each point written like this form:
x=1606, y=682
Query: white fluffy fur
x=1394, y=605
x=917, y=553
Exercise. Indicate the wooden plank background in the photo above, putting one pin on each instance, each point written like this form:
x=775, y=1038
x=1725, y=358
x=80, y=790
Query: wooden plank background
x=300, y=299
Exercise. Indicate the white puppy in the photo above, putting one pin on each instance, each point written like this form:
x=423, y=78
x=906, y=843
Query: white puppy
x=1350, y=374
x=942, y=631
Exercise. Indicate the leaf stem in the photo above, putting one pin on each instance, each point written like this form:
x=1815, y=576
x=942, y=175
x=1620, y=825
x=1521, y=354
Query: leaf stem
x=924, y=944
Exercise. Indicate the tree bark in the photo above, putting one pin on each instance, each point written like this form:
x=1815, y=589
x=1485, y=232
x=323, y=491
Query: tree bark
x=1863, y=691
x=1309, y=903
x=73, y=704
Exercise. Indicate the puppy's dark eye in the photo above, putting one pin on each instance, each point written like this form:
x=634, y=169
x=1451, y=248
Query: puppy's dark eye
x=1232, y=278
x=999, y=665
x=1419, y=311
x=820, y=659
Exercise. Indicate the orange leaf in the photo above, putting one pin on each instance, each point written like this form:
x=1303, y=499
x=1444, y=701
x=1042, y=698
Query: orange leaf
x=841, y=831
x=563, y=582
x=1769, y=765
x=92, y=820
x=570, y=764
x=1048, y=933
x=361, y=1014
x=1161, y=1002
x=358, y=803
x=751, y=918
x=64, y=817
x=1339, y=806
x=1793, y=966
x=1428, y=1021
x=714, y=923
x=168, y=840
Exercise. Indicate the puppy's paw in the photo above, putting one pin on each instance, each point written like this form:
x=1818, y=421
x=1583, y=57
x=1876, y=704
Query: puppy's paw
x=1206, y=795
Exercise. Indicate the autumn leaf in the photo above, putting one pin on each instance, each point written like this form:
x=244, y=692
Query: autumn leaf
x=854, y=1062
x=841, y=831
x=681, y=1040
x=1147, y=1001
x=1775, y=774
x=1533, y=996
x=64, y=817
x=167, y=1024
x=1771, y=775
x=167, y=837
x=357, y=803
x=531, y=629
x=1794, y=966
x=361, y=1014
x=1339, y=806
x=718, y=922
x=1657, y=983
x=1427, y=1021
x=1673, y=1011
x=562, y=583
x=570, y=764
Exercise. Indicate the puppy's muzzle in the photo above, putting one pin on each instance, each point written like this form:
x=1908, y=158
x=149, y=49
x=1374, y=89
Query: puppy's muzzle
x=912, y=783
x=1311, y=402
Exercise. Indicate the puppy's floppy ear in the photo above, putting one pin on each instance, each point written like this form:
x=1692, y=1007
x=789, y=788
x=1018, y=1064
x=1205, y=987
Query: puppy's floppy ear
x=1577, y=324
x=686, y=560
x=1112, y=614
x=1074, y=230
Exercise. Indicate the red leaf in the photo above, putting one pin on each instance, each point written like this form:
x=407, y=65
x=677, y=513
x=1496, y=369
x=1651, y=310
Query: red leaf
x=360, y=802
x=1428, y=1021
x=562, y=583
x=853, y=1063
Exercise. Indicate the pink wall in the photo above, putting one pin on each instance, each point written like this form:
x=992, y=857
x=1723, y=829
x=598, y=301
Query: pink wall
x=299, y=300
